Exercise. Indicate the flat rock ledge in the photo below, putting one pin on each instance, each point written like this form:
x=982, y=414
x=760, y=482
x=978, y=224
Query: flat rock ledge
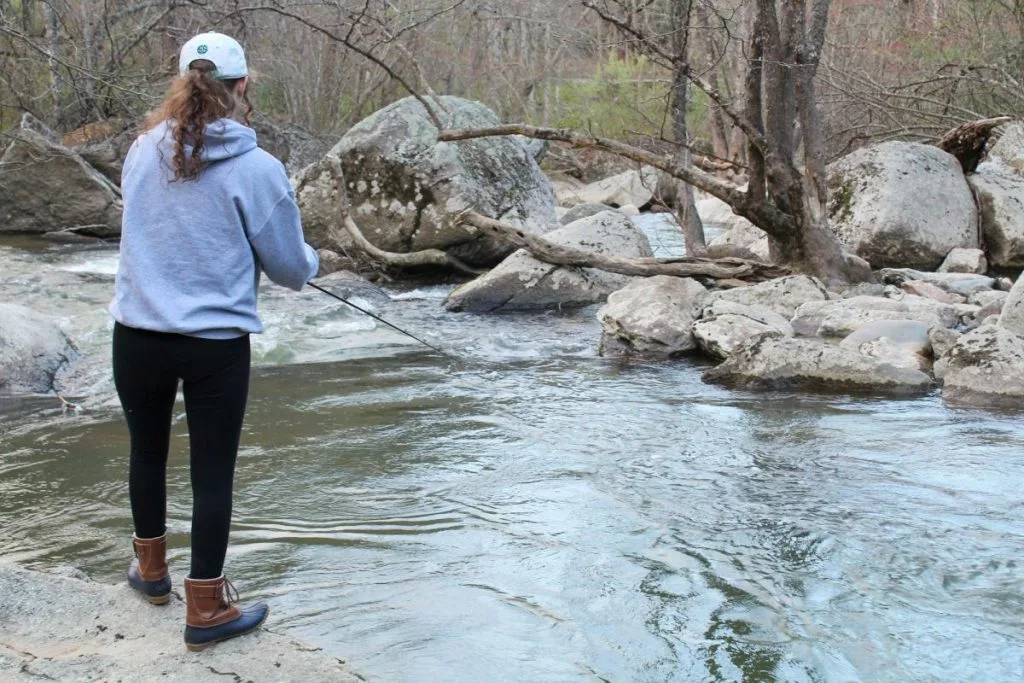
x=60, y=628
x=769, y=361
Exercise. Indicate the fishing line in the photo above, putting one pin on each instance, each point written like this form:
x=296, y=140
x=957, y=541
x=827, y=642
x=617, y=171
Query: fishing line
x=380, y=319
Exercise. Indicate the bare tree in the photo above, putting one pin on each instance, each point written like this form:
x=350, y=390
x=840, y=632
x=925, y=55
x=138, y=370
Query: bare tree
x=787, y=190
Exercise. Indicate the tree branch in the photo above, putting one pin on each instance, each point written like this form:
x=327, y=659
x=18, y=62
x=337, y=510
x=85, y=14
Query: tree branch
x=684, y=266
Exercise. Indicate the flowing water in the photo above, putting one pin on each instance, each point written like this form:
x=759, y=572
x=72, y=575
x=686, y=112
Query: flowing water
x=537, y=513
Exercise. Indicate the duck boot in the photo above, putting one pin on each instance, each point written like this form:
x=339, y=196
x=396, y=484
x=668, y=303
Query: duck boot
x=212, y=615
x=148, y=571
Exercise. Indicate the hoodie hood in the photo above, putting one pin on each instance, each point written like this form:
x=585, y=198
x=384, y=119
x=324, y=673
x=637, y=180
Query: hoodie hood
x=224, y=139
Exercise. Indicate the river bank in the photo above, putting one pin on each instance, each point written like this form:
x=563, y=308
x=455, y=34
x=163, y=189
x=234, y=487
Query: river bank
x=66, y=628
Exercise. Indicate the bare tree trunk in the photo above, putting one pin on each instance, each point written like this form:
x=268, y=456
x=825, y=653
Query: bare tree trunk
x=52, y=22
x=686, y=209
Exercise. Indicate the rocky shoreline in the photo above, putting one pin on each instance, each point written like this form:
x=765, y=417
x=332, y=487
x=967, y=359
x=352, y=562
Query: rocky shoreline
x=63, y=627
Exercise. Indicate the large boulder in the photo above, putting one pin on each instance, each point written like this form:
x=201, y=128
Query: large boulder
x=1012, y=315
x=32, y=349
x=901, y=204
x=1001, y=198
x=45, y=187
x=651, y=317
x=774, y=362
x=783, y=295
x=521, y=282
x=407, y=190
x=985, y=367
x=725, y=326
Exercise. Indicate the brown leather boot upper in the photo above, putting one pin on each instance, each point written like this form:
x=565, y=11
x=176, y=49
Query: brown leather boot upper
x=151, y=556
x=207, y=603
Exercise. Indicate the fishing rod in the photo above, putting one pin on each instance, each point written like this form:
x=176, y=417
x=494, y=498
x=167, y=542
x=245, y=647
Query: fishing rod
x=380, y=319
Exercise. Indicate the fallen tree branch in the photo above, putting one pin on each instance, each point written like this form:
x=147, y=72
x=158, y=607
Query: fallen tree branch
x=425, y=257
x=682, y=266
x=762, y=214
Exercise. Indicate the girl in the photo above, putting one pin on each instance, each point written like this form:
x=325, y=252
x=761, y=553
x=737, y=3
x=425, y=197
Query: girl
x=205, y=211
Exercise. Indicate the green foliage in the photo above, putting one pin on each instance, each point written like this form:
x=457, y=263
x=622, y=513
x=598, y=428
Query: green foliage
x=624, y=95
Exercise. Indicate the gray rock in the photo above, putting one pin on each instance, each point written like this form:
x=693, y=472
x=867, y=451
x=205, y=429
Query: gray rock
x=989, y=298
x=901, y=204
x=407, y=190
x=583, y=211
x=745, y=235
x=933, y=292
x=86, y=631
x=773, y=362
x=990, y=303
x=45, y=187
x=961, y=260
x=1004, y=284
x=783, y=295
x=521, y=282
x=957, y=283
x=631, y=187
x=843, y=317
x=725, y=326
x=332, y=262
x=30, y=122
x=900, y=342
x=911, y=334
x=985, y=368
x=349, y=285
x=1001, y=199
x=942, y=340
x=650, y=317
x=1012, y=317
x=32, y=350
x=1009, y=146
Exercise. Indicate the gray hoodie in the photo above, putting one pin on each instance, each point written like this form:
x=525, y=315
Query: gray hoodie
x=192, y=250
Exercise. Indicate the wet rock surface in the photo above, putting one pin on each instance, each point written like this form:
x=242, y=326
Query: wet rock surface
x=651, y=317
x=984, y=367
x=773, y=362
x=33, y=349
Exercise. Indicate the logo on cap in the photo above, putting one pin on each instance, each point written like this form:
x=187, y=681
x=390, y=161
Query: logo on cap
x=202, y=49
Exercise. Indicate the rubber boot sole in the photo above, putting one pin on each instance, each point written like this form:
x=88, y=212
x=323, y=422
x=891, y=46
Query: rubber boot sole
x=158, y=600
x=197, y=647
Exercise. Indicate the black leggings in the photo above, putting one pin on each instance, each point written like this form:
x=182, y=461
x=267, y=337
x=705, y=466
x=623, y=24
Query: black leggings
x=215, y=374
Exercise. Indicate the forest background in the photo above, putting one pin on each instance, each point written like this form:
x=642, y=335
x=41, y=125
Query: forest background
x=890, y=69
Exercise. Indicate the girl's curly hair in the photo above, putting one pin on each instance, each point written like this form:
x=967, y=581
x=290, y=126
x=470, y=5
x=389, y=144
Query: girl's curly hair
x=194, y=101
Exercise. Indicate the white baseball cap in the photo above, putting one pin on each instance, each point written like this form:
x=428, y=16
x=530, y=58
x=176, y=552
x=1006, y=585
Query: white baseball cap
x=224, y=51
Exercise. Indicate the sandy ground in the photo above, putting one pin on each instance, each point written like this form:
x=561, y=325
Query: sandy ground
x=62, y=628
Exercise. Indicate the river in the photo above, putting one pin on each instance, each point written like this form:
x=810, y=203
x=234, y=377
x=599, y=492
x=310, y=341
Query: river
x=537, y=513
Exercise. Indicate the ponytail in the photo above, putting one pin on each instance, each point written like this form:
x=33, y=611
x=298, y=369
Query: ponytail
x=194, y=101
